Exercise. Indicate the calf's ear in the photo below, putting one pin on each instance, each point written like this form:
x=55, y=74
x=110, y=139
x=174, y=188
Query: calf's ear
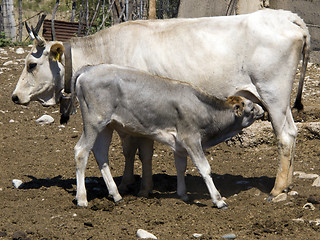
x=238, y=109
x=56, y=52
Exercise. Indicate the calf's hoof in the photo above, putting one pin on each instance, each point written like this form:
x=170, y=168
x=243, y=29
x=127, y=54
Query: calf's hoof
x=83, y=203
x=222, y=205
x=117, y=198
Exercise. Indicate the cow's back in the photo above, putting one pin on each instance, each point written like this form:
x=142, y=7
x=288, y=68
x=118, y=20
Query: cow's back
x=210, y=53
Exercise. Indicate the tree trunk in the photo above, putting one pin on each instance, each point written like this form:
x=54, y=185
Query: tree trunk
x=152, y=9
x=8, y=19
x=20, y=20
x=73, y=13
x=53, y=31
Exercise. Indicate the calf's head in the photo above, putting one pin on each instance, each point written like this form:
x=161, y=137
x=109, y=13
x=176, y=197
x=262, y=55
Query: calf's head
x=42, y=78
x=246, y=112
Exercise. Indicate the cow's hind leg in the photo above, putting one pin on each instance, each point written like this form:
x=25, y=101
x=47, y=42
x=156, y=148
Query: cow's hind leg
x=101, y=153
x=286, y=133
x=194, y=149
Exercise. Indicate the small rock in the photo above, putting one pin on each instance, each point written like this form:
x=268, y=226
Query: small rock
x=317, y=222
x=298, y=220
x=281, y=197
x=229, y=236
x=309, y=206
x=3, y=234
x=292, y=193
x=314, y=128
x=305, y=175
x=316, y=182
x=8, y=63
x=17, y=183
x=197, y=235
x=45, y=119
x=20, y=51
x=143, y=234
x=11, y=121
x=20, y=236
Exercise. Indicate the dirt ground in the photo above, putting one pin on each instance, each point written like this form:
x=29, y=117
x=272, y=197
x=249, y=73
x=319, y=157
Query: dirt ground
x=43, y=158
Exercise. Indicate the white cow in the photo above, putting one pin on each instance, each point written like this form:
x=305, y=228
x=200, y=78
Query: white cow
x=137, y=103
x=254, y=55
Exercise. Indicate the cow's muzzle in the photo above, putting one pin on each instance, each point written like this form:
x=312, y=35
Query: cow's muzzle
x=15, y=99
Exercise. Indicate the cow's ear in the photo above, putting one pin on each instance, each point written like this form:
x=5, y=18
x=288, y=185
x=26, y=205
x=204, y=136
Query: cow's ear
x=238, y=109
x=56, y=52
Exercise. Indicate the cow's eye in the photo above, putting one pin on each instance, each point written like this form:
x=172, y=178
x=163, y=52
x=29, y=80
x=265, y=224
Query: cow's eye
x=31, y=66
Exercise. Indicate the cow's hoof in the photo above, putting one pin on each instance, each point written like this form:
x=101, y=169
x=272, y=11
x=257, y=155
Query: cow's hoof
x=123, y=189
x=269, y=198
x=184, y=197
x=143, y=193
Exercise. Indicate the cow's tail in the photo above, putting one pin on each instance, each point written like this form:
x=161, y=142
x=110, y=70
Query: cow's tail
x=305, y=58
x=67, y=102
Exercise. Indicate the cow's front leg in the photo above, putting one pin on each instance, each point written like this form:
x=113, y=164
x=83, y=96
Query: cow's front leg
x=181, y=166
x=101, y=153
x=129, y=146
x=194, y=149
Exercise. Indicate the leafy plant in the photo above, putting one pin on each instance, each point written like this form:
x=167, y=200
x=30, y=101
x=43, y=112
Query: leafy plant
x=4, y=42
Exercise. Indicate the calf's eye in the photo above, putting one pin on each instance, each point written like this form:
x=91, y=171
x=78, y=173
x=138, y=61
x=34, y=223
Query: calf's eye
x=31, y=66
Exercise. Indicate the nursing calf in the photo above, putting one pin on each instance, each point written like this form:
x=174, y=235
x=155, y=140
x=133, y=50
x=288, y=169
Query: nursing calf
x=139, y=104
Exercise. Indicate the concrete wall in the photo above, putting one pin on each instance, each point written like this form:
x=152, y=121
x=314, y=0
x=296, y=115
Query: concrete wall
x=308, y=10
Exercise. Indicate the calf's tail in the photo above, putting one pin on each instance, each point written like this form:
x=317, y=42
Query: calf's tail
x=67, y=102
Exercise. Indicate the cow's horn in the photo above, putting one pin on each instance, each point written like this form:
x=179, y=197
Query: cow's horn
x=40, y=41
x=29, y=31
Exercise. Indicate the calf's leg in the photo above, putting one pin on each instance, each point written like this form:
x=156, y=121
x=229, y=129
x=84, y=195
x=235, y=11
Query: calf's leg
x=194, y=149
x=82, y=151
x=181, y=166
x=101, y=153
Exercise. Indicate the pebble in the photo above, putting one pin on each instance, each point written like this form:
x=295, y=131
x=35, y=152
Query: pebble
x=316, y=182
x=45, y=119
x=298, y=220
x=8, y=63
x=197, y=235
x=16, y=183
x=293, y=193
x=309, y=206
x=229, y=236
x=20, y=51
x=143, y=234
x=20, y=236
x=305, y=175
x=281, y=197
x=11, y=121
